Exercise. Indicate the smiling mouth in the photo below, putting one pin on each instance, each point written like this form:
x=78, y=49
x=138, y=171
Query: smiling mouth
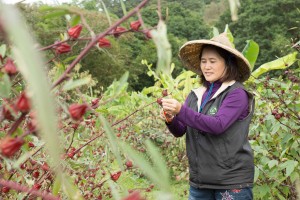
x=208, y=73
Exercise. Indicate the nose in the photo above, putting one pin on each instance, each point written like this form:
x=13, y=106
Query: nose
x=205, y=66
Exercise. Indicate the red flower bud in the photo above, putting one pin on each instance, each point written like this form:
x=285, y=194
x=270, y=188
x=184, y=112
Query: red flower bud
x=118, y=31
x=10, y=67
x=148, y=34
x=74, y=32
x=134, y=196
x=77, y=110
x=36, y=186
x=129, y=164
x=31, y=145
x=63, y=48
x=71, y=154
x=36, y=174
x=31, y=125
x=9, y=146
x=23, y=103
x=103, y=42
x=95, y=103
x=6, y=112
x=45, y=167
x=5, y=189
x=164, y=93
x=115, y=176
x=159, y=101
x=135, y=25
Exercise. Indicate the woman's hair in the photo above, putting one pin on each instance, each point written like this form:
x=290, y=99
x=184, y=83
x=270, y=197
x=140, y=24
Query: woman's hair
x=231, y=67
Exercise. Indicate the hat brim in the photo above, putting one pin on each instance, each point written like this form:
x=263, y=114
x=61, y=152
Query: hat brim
x=189, y=54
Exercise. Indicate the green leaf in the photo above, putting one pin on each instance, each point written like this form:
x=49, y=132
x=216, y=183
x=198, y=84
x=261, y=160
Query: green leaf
x=56, y=13
x=290, y=166
x=3, y=50
x=122, y=81
x=75, y=20
x=215, y=31
x=280, y=63
x=70, y=189
x=112, y=139
x=251, y=51
x=163, y=47
x=256, y=174
x=69, y=59
x=272, y=163
x=56, y=185
x=5, y=86
x=71, y=84
x=229, y=34
x=159, y=163
x=31, y=65
x=106, y=12
x=144, y=165
x=123, y=7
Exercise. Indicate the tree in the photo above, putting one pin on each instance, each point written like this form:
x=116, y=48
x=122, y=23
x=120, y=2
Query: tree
x=272, y=24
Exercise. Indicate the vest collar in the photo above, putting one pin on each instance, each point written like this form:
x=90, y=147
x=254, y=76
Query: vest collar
x=200, y=91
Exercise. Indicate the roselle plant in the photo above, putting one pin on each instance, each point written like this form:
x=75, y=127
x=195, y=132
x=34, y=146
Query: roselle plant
x=102, y=136
x=42, y=126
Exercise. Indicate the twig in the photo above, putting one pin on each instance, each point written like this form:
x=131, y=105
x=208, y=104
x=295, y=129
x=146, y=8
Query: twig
x=53, y=45
x=94, y=41
x=16, y=124
x=21, y=188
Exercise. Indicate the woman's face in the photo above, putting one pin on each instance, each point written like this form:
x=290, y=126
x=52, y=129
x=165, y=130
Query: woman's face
x=212, y=65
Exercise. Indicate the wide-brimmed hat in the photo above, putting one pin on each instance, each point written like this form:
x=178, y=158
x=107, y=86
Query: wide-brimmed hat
x=189, y=54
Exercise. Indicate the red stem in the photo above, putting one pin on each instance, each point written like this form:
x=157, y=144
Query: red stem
x=52, y=45
x=16, y=124
x=18, y=187
x=94, y=41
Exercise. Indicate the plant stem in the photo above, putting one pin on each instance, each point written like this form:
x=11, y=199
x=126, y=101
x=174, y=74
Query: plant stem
x=19, y=187
x=94, y=41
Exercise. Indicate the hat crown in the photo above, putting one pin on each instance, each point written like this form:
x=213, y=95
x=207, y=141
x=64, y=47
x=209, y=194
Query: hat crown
x=223, y=39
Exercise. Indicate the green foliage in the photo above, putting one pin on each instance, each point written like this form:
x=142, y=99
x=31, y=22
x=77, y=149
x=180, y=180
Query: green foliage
x=274, y=136
x=271, y=24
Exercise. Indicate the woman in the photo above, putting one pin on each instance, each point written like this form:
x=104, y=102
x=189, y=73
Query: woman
x=215, y=119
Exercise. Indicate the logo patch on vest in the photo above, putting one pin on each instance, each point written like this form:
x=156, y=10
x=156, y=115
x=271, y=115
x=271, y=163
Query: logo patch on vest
x=212, y=111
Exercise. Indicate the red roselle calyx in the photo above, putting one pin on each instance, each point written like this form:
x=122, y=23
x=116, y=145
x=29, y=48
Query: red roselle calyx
x=164, y=93
x=95, y=103
x=159, y=101
x=129, y=164
x=135, y=25
x=115, y=176
x=134, y=196
x=9, y=146
x=63, y=48
x=148, y=34
x=77, y=110
x=6, y=112
x=23, y=103
x=103, y=42
x=75, y=31
x=10, y=67
x=118, y=31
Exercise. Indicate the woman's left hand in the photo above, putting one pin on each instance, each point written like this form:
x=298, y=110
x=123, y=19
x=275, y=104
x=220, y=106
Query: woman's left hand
x=171, y=106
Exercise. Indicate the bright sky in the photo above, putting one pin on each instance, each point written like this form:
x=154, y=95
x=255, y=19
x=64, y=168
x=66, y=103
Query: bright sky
x=32, y=1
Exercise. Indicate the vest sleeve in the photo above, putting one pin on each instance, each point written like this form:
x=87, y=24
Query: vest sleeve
x=233, y=106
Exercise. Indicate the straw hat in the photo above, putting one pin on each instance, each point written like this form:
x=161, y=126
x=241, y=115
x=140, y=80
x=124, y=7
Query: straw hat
x=189, y=54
